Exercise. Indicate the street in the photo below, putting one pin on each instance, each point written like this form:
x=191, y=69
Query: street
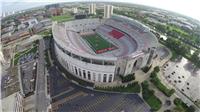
x=41, y=99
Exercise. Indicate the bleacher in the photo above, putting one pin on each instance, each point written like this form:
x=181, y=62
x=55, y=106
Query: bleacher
x=141, y=37
x=130, y=24
x=116, y=34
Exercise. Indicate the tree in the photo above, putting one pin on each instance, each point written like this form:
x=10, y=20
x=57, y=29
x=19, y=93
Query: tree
x=195, y=58
x=167, y=111
x=157, y=69
x=191, y=109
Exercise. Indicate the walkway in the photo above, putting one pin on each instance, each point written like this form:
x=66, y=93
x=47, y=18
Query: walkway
x=41, y=100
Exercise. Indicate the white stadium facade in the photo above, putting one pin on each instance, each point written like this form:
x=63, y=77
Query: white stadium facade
x=131, y=47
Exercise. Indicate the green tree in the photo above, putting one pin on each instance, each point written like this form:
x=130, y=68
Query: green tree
x=191, y=109
x=157, y=69
x=195, y=58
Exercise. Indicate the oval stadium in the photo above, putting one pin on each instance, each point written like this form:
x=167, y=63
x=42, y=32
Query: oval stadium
x=99, y=50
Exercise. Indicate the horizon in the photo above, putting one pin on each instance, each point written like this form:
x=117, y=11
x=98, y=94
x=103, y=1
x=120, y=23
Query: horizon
x=83, y=55
x=170, y=5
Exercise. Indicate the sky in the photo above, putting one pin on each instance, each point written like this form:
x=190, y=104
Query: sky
x=189, y=8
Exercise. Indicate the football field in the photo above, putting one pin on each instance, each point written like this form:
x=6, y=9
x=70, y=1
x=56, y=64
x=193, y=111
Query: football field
x=99, y=44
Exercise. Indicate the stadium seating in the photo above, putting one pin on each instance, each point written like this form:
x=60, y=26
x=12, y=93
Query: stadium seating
x=116, y=34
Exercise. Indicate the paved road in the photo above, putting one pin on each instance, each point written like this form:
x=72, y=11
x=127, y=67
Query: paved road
x=41, y=100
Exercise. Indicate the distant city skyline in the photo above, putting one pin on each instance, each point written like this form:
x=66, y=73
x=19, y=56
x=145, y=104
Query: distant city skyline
x=187, y=8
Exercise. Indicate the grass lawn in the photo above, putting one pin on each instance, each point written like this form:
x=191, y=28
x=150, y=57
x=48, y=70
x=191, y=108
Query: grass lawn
x=45, y=33
x=99, y=44
x=161, y=87
x=62, y=18
x=156, y=81
x=182, y=107
x=154, y=102
x=150, y=98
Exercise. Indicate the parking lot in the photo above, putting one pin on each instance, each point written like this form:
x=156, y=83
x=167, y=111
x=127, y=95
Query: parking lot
x=183, y=75
x=28, y=74
x=28, y=67
x=26, y=58
x=9, y=83
x=68, y=96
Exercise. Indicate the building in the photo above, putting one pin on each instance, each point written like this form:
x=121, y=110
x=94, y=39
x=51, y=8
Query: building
x=66, y=10
x=10, y=29
x=121, y=47
x=46, y=22
x=22, y=34
x=30, y=22
x=22, y=26
x=54, y=9
x=92, y=9
x=108, y=11
x=35, y=26
x=13, y=103
x=52, y=6
x=75, y=10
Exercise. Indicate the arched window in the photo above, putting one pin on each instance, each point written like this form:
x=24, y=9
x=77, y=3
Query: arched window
x=110, y=78
x=104, y=77
x=135, y=63
x=118, y=70
x=80, y=72
x=89, y=76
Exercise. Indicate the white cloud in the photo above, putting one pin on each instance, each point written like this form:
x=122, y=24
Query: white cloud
x=187, y=7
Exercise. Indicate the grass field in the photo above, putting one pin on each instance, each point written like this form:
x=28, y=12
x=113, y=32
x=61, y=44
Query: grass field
x=62, y=18
x=98, y=44
x=148, y=95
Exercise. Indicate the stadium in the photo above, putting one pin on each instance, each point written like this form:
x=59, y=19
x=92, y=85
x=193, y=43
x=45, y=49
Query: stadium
x=100, y=50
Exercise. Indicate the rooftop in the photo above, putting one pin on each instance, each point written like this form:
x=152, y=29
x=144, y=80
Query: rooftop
x=8, y=103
